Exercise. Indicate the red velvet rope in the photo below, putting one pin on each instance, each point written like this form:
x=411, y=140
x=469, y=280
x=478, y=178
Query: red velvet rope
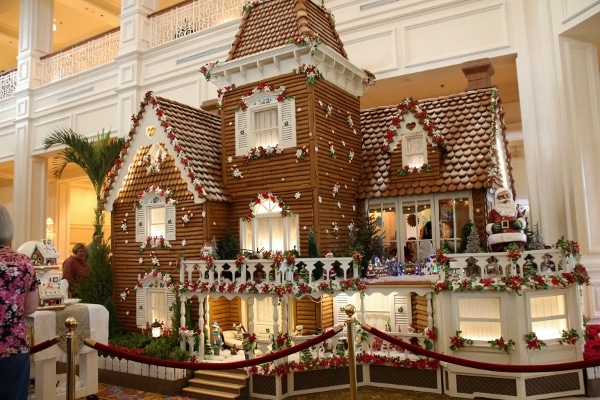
x=482, y=365
x=213, y=365
x=44, y=345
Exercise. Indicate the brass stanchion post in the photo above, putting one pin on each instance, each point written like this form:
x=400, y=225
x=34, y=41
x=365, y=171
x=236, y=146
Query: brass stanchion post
x=71, y=324
x=350, y=310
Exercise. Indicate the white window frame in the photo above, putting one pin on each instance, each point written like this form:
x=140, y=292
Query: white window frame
x=145, y=313
x=406, y=154
x=269, y=210
x=245, y=138
x=542, y=335
x=142, y=217
x=476, y=298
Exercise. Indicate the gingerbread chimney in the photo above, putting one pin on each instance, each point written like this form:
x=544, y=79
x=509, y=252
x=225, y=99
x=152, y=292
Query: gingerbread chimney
x=479, y=73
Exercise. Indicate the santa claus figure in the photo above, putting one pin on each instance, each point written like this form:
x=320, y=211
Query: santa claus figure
x=506, y=223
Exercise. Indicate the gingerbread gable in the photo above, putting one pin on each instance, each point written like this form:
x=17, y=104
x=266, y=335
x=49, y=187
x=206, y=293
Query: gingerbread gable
x=273, y=23
x=191, y=137
x=466, y=147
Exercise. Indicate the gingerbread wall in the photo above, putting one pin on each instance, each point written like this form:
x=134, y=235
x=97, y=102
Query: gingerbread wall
x=315, y=177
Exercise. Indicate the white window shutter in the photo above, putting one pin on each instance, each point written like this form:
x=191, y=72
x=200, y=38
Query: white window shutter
x=242, y=130
x=170, y=308
x=288, y=123
x=170, y=222
x=140, y=308
x=140, y=224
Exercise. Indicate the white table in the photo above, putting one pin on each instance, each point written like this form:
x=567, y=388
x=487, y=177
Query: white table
x=44, y=328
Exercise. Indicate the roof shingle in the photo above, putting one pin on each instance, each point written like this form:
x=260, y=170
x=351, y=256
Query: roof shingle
x=463, y=119
x=274, y=23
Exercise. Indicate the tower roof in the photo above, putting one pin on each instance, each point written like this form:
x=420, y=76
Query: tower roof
x=267, y=24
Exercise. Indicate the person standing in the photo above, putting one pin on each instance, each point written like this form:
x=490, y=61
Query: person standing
x=18, y=298
x=75, y=268
x=425, y=247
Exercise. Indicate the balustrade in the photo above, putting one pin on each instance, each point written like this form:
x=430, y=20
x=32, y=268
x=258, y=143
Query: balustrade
x=8, y=83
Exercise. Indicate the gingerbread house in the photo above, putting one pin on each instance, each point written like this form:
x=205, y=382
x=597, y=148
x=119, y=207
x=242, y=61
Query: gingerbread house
x=286, y=153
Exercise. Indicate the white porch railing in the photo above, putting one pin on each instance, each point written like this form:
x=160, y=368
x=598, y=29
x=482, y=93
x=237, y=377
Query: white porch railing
x=192, y=17
x=490, y=265
x=485, y=265
x=225, y=271
x=8, y=83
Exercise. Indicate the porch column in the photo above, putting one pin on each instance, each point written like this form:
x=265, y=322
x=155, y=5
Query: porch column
x=29, y=195
x=275, y=301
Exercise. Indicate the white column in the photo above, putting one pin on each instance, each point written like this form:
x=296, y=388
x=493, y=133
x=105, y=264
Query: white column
x=542, y=118
x=135, y=27
x=35, y=41
x=581, y=83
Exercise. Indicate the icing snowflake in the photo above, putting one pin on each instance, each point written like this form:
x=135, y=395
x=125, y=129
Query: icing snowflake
x=297, y=195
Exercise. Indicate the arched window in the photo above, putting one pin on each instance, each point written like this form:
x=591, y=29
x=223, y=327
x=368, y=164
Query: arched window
x=269, y=228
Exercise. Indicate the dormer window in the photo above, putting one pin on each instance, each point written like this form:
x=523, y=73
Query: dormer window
x=414, y=149
x=155, y=217
x=266, y=118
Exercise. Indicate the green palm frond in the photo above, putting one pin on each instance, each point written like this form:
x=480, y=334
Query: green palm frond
x=94, y=156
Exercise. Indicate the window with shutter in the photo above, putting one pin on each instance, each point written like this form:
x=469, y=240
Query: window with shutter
x=155, y=218
x=288, y=124
x=267, y=121
x=140, y=308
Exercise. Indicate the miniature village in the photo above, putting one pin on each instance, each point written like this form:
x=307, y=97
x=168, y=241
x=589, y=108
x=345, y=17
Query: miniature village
x=288, y=165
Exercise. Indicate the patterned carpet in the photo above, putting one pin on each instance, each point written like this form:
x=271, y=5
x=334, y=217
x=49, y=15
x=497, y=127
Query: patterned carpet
x=108, y=392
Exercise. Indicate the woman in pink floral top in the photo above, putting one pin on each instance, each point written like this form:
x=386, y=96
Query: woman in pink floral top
x=18, y=298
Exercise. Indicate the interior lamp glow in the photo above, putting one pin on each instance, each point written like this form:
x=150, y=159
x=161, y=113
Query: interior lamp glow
x=156, y=329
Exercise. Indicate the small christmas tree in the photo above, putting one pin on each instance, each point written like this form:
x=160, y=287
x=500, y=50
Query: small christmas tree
x=473, y=243
x=306, y=356
x=366, y=238
x=229, y=247
x=537, y=242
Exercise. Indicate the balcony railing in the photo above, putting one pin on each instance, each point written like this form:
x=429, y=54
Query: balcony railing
x=8, y=83
x=167, y=25
x=193, y=16
x=81, y=57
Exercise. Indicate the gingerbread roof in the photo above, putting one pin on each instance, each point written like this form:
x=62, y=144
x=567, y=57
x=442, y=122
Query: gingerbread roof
x=267, y=24
x=465, y=122
x=191, y=135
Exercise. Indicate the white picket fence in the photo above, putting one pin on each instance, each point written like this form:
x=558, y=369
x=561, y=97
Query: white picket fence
x=137, y=368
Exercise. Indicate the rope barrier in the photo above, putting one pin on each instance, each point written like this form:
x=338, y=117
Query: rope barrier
x=482, y=365
x=44, y=345
x=212, y=365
